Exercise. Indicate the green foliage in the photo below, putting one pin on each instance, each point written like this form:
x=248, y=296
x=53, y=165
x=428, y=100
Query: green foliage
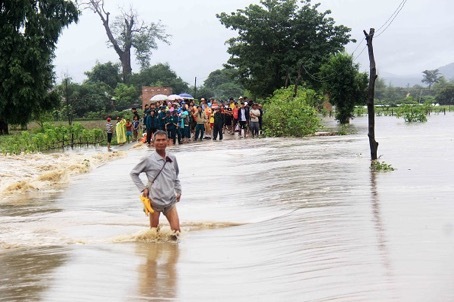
x=413, y=113
x=203, y=92
x=445, y=94
x=79, y=99
x=107, y=73
x=431, y=77
x=276, y=38
x=377, y=166
x=159, y=75
x=345, y=129
x=286, y=115
x=344, y=85
x=29, y=34
x=224, y=83
x=51, y=137
x=360, y=111
x=125, y=96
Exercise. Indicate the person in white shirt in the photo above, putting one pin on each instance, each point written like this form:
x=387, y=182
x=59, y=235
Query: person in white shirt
x=254, y=114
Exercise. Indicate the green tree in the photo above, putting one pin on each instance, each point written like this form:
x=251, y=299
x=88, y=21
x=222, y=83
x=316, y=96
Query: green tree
x=281, y=42
x=440, y=85
x=125, y=96
x=344, y=85
x=128, y=33
x=290, y=115
x=445, y=95
x=80, y=99
x=224, y=83
x=107, y=73
x=29, y=34
x=159, y=75
x=202, y=92
x=431, y=77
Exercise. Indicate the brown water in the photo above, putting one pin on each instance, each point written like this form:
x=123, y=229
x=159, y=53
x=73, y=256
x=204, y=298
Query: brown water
x=263, y=220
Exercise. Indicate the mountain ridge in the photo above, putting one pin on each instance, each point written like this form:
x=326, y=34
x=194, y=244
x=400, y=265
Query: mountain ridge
x=415, y=79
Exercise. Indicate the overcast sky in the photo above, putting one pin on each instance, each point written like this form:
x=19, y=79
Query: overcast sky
x=419, y=38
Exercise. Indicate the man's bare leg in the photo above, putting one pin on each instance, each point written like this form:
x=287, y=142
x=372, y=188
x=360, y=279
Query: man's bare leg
x=154, y=219
x=174, y=220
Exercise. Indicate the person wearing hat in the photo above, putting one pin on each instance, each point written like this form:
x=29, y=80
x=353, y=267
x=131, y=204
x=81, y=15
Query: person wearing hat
x=109, y=130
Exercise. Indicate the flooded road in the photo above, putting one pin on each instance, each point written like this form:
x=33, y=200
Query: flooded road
x=263, y=220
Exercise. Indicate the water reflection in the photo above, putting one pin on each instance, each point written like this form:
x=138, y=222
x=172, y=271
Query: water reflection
x=26, y=274
x=158, y=278
x=381, y=235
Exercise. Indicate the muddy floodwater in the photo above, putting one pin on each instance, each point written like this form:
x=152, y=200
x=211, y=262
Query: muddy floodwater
x=263, y=220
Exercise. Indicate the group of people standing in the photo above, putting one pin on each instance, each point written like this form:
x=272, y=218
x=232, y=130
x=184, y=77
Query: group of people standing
x=125, y=130
x=186, y=121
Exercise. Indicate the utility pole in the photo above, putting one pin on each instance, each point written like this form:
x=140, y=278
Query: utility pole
x=371, y=95
x=195, y=87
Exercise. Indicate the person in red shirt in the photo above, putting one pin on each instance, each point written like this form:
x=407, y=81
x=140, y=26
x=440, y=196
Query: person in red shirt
x=235, y=111
x=128, y=130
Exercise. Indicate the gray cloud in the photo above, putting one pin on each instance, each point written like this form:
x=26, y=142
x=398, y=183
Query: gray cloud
x=418, y=38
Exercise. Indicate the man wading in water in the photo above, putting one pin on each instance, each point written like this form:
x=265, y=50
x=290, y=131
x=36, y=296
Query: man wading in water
x=163, y=187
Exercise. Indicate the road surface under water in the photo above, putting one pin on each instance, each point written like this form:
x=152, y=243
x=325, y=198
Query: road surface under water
x=263, y=220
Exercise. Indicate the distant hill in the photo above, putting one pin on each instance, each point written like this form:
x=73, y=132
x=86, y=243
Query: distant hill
x=447, y=71
x=401, y=80
x=415, y=79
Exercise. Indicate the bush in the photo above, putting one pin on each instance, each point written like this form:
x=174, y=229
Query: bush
x=286, y=115
x=378, y=166
x=413, y=113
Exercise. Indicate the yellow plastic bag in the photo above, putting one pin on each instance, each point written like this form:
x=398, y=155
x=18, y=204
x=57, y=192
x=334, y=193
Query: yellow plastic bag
x=146, y=205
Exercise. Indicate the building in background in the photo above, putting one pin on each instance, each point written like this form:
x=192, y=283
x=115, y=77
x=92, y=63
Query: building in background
x=149, y=91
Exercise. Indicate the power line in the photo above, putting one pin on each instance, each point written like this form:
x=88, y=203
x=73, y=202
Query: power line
x=385, y=26
x=364, y=48
x=392, y=18
x=362, y=41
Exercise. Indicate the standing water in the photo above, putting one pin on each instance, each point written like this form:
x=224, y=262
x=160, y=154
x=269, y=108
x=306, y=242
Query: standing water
x=263, y=220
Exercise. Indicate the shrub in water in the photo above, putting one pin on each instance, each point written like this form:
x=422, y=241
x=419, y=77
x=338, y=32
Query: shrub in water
x=286, y=115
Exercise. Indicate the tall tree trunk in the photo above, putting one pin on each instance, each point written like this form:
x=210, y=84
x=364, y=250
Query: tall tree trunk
x=371, y=95
x=124, y=54
x=125, y=58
